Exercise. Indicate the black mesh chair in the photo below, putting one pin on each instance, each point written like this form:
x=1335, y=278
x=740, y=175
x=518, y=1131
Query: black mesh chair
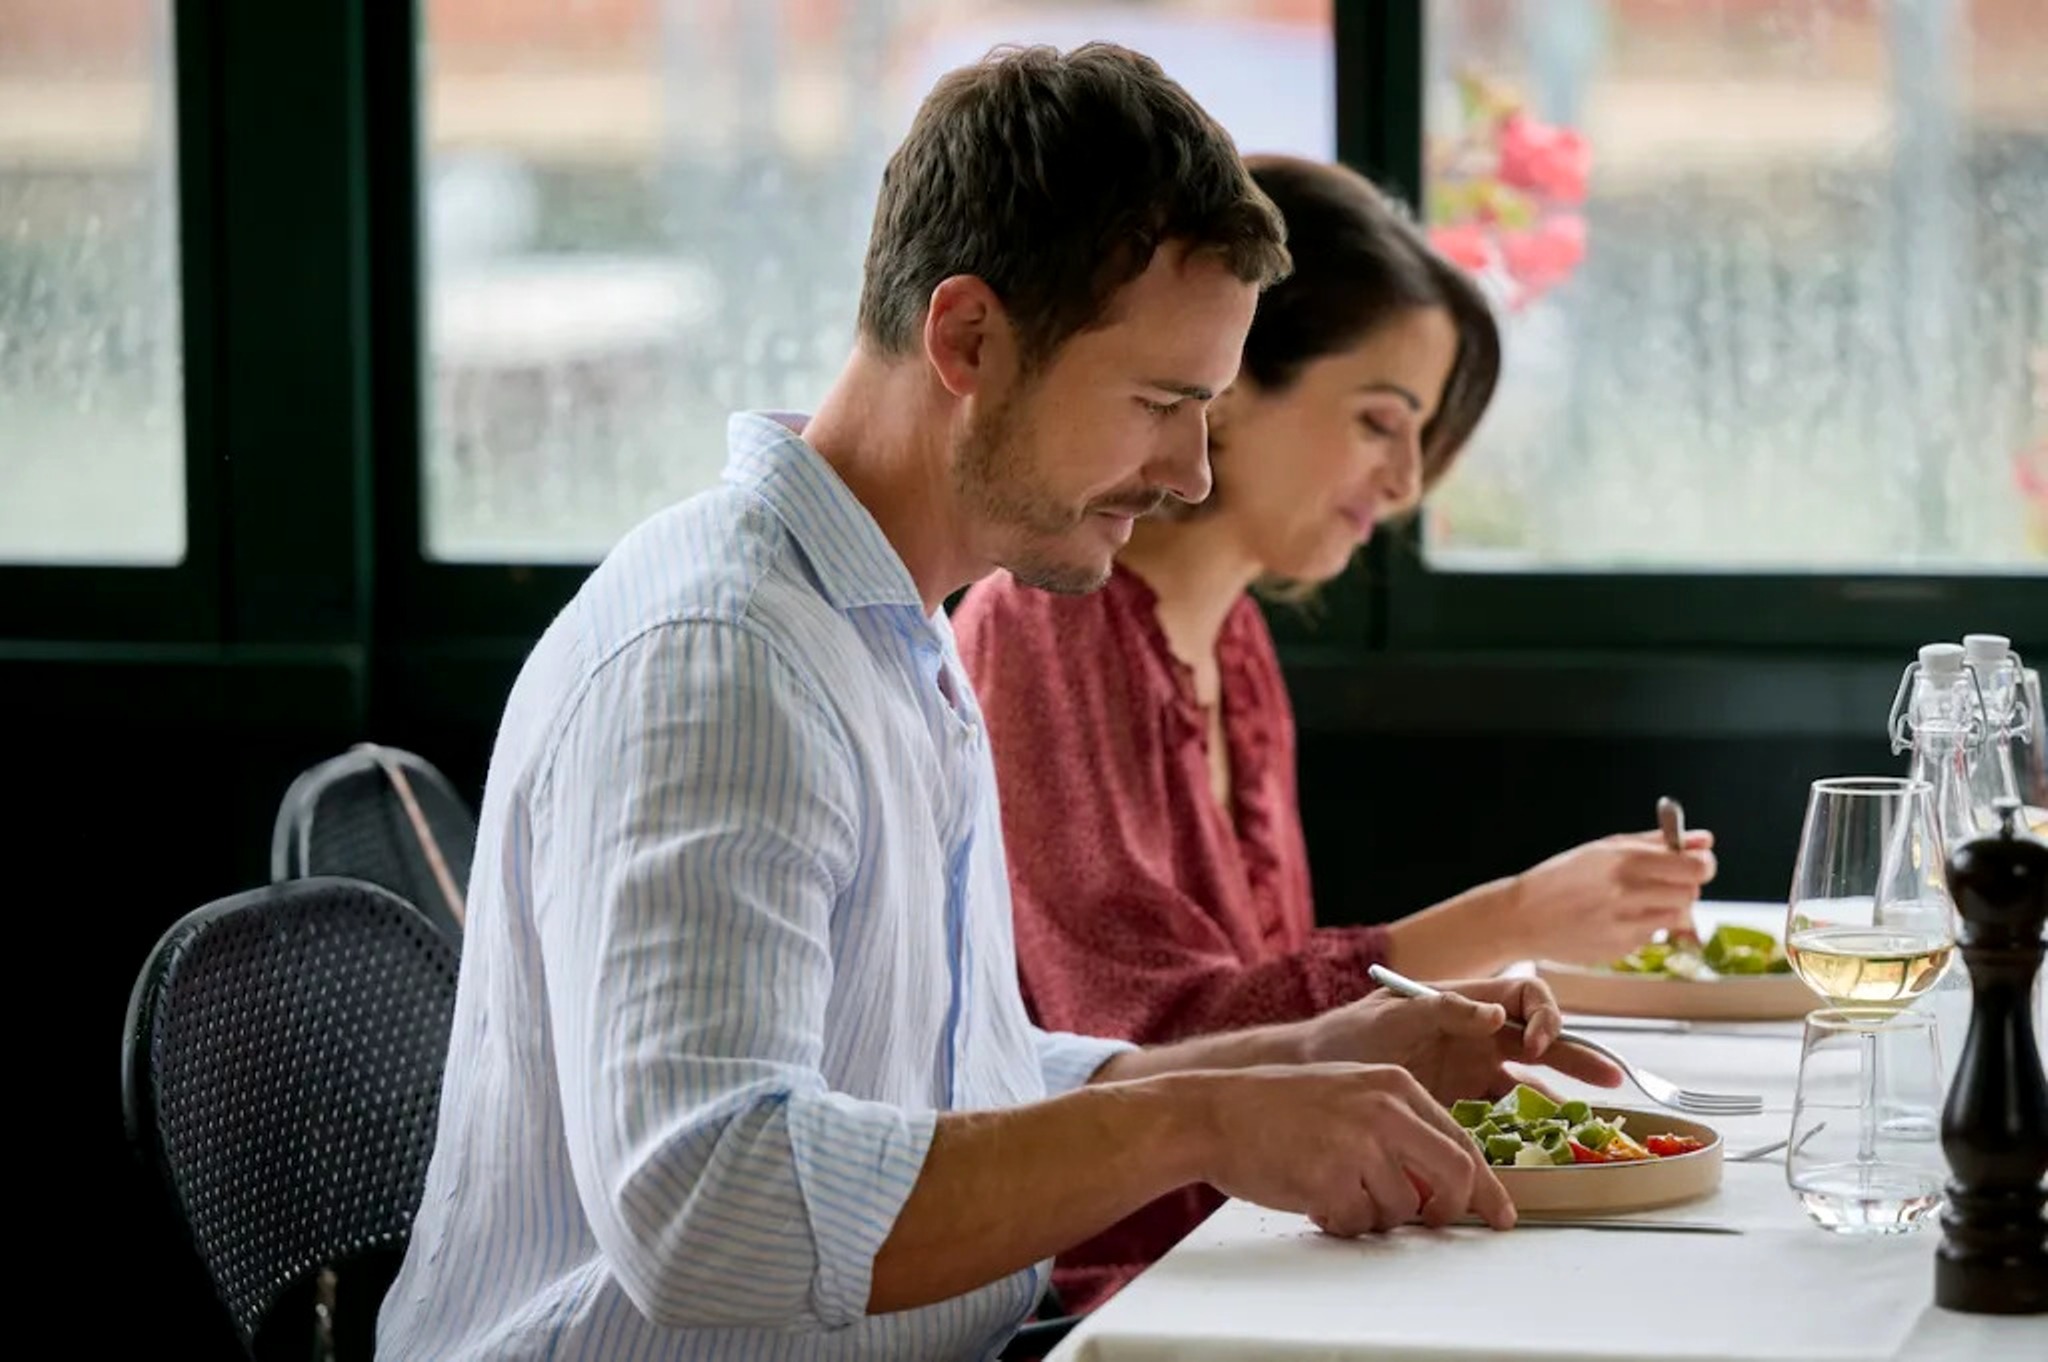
x=281, y=1073
x=382, y=815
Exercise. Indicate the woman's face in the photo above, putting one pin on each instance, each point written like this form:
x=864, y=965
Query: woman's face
x=1304, y=474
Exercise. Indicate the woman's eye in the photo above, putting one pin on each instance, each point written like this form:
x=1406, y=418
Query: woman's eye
x=1386, y=430
x=1160, y=409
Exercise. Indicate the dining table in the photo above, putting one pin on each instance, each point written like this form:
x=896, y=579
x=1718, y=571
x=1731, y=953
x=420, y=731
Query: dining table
x=1253, y=1283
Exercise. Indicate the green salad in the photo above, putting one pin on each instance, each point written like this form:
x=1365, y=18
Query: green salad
x=1527, y=1129
x=1730, y=950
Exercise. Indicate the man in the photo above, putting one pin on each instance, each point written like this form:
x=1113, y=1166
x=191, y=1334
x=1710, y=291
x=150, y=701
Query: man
x=739, y=1065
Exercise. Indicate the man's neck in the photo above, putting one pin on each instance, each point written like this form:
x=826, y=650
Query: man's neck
x=1197, y=571
x=889, y=438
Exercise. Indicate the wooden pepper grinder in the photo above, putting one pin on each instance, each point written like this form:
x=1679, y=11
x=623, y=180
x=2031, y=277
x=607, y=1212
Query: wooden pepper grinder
x=1993, y=1257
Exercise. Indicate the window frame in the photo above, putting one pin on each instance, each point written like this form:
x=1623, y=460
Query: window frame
x=422, y=600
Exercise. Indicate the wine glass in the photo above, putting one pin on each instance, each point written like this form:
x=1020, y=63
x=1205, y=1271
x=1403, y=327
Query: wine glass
x=1869, y=925
x=1869, y=922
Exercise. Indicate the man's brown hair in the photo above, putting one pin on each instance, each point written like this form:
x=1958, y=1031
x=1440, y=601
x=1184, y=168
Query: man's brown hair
x=1053, y=177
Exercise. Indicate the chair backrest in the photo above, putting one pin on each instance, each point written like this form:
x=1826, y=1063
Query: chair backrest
x=281, y=1073
x=346, y=816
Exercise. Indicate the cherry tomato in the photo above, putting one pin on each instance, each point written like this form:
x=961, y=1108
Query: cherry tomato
x=1665, y=1146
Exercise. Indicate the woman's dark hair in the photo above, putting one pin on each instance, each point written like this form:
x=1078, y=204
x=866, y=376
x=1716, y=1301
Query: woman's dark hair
x=1360, y=262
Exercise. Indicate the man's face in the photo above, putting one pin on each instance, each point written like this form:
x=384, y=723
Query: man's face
x=1055, y=465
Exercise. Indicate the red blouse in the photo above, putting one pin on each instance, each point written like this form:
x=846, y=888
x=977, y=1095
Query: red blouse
x=1143, y=910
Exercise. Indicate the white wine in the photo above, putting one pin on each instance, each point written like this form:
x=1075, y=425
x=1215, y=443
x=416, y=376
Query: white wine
x=1868, y=966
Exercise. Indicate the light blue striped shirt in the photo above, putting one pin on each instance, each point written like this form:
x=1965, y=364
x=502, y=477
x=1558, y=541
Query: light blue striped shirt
x=739, y=926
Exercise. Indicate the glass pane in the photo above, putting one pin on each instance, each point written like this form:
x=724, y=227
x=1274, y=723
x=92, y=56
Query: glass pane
x=92, y=438
x=1776, y=274
x=644, y=215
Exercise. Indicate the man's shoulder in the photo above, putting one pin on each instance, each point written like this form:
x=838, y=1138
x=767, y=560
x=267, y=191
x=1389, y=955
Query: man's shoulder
x=704, y=558
x=720, y=563
x=721, y=558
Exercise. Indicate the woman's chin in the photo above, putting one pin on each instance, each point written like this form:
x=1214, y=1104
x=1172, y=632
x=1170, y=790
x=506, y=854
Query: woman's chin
x=1315, y=570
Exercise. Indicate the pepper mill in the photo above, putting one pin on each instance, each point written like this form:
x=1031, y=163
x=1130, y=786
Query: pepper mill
x=1993, y=1257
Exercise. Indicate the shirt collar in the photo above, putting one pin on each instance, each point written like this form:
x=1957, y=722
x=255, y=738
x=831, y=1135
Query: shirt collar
x=854, y=561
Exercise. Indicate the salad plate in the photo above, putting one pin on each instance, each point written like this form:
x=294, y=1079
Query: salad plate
x=1736, y=974
x=1576, y=1158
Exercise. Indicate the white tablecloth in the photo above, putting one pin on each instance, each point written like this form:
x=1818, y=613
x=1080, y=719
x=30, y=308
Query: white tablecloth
x=1253, y=1283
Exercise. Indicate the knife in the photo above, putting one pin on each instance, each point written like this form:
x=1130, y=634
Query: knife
x=1604, y=1223
x=1764, y=1030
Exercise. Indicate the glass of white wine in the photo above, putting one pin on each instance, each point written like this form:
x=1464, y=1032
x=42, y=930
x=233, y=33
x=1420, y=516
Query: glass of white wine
x=1869, y=922
x=1869, y=926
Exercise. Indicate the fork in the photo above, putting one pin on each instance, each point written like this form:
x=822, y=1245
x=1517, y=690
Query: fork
x=1657, y=1088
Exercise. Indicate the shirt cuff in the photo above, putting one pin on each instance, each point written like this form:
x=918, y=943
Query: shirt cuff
x=1068, y=1061
x=856, y=1163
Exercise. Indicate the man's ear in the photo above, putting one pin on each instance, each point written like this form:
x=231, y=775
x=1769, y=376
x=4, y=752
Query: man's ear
x=967, y=334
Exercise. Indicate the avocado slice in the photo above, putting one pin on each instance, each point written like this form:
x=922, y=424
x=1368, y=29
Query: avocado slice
x=1527, y=1104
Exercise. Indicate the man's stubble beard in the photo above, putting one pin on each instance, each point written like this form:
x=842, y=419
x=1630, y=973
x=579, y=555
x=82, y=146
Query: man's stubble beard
x=995, y=482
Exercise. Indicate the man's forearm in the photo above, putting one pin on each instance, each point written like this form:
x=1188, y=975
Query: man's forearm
x=1001, y=1190
x=1289, y=1043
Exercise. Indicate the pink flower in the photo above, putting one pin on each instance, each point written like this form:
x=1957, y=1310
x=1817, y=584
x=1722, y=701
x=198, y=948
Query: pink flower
x=1545, y=255
x=1463, y=244
x=1551, y=161
x=2030, y=471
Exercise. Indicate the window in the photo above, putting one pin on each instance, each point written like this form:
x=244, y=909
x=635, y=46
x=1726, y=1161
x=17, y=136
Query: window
x=642, y=216
x=1775, y=281
x=92, y=450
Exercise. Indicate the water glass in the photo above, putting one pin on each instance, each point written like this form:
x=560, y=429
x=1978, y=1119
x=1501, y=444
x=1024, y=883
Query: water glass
x=1865, y=1155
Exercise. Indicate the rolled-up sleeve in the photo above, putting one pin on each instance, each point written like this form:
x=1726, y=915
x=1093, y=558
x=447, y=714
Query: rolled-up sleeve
x=1069, y=1061
x=700, y=815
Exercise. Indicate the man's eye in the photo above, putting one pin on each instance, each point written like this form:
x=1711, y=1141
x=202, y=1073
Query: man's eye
x=1161, y=409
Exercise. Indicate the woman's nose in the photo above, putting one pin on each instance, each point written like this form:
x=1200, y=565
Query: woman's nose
x=1401, y=475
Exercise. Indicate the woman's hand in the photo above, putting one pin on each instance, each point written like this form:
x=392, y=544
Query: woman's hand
x=1598, y=902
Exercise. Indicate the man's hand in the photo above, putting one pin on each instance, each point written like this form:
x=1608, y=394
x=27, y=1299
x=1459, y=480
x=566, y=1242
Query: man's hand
x=1355, y=1147
x=1457, y=1045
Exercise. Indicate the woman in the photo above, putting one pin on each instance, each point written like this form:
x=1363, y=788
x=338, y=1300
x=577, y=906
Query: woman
x=1143, y=741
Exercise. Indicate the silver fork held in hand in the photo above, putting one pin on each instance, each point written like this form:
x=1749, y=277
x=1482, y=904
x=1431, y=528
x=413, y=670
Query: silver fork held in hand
x=1658, y=1089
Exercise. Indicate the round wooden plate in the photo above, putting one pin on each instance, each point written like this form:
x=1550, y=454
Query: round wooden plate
x=1733, y=997
x=1611, y=1188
